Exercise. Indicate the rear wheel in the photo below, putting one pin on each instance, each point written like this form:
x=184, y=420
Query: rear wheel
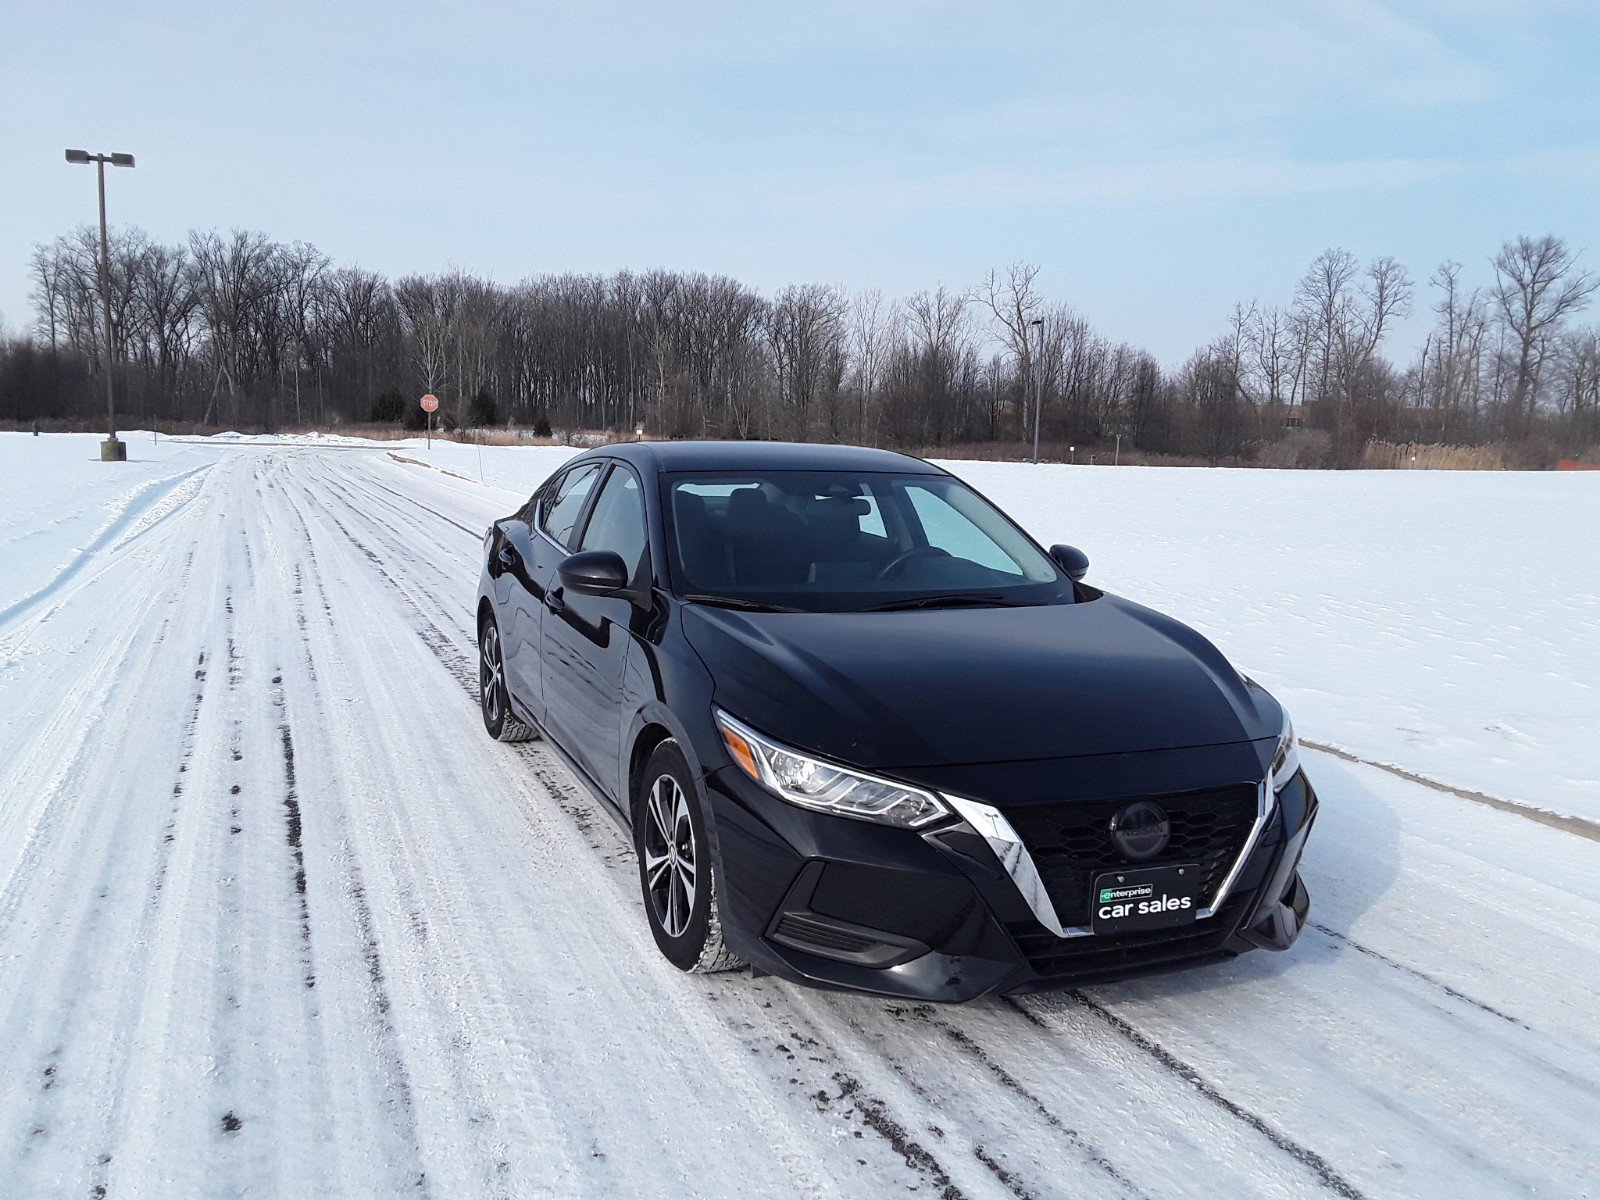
x=675, y=871
x=493, y=695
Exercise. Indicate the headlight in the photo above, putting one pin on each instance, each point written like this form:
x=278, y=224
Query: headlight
x=824, y=786
x=1286, y=758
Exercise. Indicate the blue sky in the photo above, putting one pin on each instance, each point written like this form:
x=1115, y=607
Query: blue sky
x=1160, y=160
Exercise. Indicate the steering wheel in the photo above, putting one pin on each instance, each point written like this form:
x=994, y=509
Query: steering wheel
x=915, y=552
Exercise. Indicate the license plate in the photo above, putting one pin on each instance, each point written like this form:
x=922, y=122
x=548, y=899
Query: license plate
x=1145, y=898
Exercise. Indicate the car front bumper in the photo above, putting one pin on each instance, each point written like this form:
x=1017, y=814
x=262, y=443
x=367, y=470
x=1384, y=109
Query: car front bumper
x=834, y=902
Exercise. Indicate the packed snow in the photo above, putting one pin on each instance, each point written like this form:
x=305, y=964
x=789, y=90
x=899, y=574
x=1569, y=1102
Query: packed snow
x=277, y=918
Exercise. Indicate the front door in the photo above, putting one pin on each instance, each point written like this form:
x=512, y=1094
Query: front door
x=585, y=639
x=538, y=553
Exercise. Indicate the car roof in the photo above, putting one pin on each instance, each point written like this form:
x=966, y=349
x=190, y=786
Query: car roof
x=763, y=456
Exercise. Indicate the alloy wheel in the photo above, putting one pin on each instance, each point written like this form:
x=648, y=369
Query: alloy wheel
x=669, y=863
x=491, y=673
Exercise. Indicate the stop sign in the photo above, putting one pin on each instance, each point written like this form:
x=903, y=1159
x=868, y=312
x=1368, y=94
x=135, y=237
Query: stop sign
x=430, y=403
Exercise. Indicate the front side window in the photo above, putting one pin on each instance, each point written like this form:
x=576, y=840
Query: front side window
x=617, y=522
x=560, y=513
x=839, y=541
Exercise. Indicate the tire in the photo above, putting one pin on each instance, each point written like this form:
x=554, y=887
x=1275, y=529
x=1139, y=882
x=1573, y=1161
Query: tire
x=676, y=873
x=494, y=698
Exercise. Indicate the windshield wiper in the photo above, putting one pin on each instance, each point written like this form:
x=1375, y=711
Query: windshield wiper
x=738, y=602
x=954, y=600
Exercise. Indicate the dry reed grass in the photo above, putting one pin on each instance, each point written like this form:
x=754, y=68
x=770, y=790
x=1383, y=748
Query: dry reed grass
x=1428, y=457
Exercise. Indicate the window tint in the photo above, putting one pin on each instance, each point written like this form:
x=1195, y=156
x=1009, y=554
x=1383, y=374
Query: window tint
x=617, y=522
x=566, y=502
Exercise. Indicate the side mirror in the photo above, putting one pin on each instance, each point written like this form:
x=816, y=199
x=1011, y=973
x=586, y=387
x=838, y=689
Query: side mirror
x=1071, y=560
x=594, y=572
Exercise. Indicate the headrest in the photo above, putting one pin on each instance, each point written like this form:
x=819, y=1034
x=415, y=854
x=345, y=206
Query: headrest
x=689, y=506
x=746, y=501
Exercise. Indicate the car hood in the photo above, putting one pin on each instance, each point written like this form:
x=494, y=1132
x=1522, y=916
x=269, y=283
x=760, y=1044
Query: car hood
x=957, y=686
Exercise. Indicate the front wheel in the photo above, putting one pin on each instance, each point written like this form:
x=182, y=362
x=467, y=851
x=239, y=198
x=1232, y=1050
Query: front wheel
x=675, y=872
x=493, y=695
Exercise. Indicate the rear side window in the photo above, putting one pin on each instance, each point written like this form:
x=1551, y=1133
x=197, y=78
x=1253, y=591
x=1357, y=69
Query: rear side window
x=617, y=522
x=560, y=512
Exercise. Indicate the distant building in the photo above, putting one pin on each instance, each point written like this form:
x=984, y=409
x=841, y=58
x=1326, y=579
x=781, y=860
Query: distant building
x=1294, y=416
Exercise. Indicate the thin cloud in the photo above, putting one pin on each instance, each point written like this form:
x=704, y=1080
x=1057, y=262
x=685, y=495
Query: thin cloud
x=1166, y=182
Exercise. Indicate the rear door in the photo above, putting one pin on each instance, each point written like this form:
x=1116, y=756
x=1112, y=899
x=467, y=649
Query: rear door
x=586, y=639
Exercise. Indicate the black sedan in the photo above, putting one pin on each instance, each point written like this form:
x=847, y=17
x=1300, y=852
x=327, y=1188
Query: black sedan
x=866, y=733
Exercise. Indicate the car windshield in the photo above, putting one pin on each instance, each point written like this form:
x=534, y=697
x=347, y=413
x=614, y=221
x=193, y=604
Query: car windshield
x=848, y=541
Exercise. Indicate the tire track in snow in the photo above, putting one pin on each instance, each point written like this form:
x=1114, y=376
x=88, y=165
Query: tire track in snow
x=984, y=1124
x=63, y=797
x=411, y=502
x=875, y=1115
x=577, y=803
x=143, y=500
x=146, y=983
x=353, y=881
x=965, y=1043
x=88, y=929
x=1324, y=1172
x=279, y=944
x=293, y=829
x=484, y=1124
x=1415, y=973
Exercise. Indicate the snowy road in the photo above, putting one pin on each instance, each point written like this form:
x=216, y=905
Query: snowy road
x=277, y=919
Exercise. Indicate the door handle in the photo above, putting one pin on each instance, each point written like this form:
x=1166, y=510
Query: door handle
x=553, y=600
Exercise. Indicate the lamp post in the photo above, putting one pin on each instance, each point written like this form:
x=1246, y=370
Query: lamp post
x=1038, y=386
x=112, y=449
x=1116, y=460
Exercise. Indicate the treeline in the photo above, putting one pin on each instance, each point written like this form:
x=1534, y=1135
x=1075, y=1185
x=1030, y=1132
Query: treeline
x=246, y=332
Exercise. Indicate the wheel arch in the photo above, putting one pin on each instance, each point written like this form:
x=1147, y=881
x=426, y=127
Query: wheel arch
x=650, y=735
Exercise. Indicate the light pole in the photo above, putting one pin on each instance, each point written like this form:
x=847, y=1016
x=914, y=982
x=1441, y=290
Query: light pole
x=112, y=449
x=1038, y=386
x=1116, y=460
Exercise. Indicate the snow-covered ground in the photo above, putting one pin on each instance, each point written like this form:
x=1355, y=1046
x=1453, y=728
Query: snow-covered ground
x=276, y=918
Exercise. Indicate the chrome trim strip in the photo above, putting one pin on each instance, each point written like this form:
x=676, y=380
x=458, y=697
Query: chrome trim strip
x=1265, y=799
x=991, y=825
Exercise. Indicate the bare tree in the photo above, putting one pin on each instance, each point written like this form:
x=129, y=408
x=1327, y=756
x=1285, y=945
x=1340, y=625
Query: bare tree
x=428, y=306
x=1537, y=286
x=806, y=329
x=872, y=325
x=1347, y=312
x=236, y=283
x=1014, y=303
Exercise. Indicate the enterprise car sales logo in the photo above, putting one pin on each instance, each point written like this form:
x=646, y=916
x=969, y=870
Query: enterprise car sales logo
x=1140, y=830
x=1138, y=891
